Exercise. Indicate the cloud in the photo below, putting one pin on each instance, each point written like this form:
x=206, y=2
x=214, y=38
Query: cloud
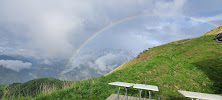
x=108, y=61
x=53, y=28
x=46, y=26
x=102, y=61
x=15, y=65
x=213, y=18
x=168, y=7
x=47, y=62
x=148, y=31
x=56, y=28
x=202, y=8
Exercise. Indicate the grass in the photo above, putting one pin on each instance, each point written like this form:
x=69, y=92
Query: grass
x=2, y=89
x=190, y=64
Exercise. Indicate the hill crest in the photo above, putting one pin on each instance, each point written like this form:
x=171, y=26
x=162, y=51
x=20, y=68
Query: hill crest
x=143, y=56
x=214, y=31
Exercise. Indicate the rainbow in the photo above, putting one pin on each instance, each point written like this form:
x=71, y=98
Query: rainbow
x=121, y=21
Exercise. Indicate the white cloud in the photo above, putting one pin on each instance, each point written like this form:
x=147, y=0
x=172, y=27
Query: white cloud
x=107, y=62
x=47, y=26
x=54, y=28
x=217, y=17
x=15, y=65
x=102, y=61
x=47, y=62
x=165, y=7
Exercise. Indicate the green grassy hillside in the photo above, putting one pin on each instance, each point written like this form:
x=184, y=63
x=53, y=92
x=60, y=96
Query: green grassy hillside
x=190, y=64
x=2, y=88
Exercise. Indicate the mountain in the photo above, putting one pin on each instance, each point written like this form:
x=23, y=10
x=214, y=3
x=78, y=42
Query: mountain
x=8, y=76
x=191, y=64
x=32, y=87
x=92, y=64
x=37, y=70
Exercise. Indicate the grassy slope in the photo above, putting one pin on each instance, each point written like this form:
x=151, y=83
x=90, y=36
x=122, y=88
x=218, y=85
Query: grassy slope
x=2, y=89
x=191, y=64
x=149, y=54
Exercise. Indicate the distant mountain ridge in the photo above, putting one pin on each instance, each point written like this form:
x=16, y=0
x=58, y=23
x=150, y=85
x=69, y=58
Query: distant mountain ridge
x=56, y=66
x=37, y=70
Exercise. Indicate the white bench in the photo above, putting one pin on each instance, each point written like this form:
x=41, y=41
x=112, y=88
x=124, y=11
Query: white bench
x=145, y=87
x=137, y=86
x=122, y=84
x=198, y=95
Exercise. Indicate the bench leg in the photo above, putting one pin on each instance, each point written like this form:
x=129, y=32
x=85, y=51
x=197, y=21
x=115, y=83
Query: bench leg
x=117, y=92
x=126, y=96
x=145, y=95
x=149, y=95
x=140, y=91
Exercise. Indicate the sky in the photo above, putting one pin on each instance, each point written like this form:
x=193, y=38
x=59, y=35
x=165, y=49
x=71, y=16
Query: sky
x=49, y=29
